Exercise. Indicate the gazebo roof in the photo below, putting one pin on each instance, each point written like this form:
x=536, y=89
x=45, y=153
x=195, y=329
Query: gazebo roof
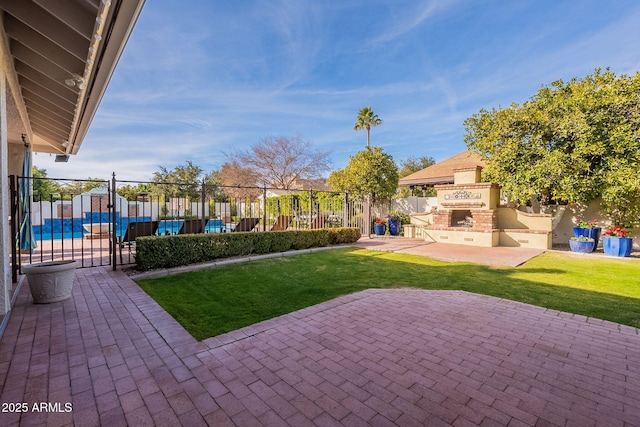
x=442, y=173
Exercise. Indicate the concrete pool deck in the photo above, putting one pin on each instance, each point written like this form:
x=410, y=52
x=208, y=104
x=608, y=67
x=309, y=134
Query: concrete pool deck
x=378, y=357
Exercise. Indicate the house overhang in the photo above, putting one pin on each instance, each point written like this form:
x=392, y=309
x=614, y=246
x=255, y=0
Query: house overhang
x=58, y=58
x=429, y=182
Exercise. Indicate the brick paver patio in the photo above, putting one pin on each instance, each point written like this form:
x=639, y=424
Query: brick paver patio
x=379, y=357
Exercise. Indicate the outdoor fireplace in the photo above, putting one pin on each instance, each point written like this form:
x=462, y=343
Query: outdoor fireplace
x=469, y=213
x=467, y=203
x=461, y=218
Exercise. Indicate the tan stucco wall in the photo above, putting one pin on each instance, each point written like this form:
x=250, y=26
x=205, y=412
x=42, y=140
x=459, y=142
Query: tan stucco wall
x=472, y=238
x=564, y=228
x=15, y=158
x=513, y=218
x=514, y=238
x=474, y=196
x=422, y=218
x=467, y=176
x=413, y=231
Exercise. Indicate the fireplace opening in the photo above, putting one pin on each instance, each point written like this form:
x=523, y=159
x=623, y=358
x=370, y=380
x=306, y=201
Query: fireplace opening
x=461, y=218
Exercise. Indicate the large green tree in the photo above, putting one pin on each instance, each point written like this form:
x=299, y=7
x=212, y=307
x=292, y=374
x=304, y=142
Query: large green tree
x=367, y=118
x=369, y=172
x=573, y=141
x=133, y=192
x=44, y=188
x=182, y=181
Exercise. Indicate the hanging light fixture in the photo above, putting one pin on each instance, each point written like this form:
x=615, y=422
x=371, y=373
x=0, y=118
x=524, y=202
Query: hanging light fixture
x=76, y=81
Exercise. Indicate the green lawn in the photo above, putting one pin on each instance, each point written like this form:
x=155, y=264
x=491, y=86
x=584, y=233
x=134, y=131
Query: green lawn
x=214, y=301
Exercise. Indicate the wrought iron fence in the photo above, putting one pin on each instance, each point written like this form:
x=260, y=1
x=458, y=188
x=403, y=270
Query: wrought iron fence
x=97, y=221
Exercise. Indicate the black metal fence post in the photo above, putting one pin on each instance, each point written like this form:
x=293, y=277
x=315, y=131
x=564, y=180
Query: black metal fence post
x=203, y=194
x=310, y=207
x=114, y=236
x=14, y=229
x=264, y=208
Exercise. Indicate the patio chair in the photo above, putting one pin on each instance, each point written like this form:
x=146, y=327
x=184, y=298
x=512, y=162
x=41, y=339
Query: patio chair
x=247, y=224
x=192, y=226
x=318, y=221
x=282, y=223
x=138, y=229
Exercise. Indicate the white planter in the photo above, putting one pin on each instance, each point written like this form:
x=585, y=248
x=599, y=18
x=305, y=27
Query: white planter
x=51, y=281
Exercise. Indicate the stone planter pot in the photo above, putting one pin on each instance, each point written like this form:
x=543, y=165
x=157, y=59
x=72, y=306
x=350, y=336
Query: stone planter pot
x=51, y=281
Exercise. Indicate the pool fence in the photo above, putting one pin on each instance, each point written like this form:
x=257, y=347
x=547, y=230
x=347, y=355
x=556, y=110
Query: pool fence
x=87, y=220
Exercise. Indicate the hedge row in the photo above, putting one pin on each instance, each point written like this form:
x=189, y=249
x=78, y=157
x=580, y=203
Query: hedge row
x=178, y=250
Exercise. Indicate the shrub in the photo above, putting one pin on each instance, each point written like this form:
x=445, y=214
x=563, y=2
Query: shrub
x=154, y=252
x=339, y=236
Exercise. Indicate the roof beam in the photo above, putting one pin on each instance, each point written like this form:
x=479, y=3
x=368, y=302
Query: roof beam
x=49, y=106
x=46, y=94
x=25, y=72
x=77, y=18
x=42, y=46
x=39, y=63
x=45, y=121
x=47, y=25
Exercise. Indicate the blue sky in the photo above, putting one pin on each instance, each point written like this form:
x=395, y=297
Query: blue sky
x=202, y=78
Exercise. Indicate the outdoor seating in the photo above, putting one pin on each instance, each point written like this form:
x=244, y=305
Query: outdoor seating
x=282, y=223
x=318, y=221
x=247, y=224
x=138, y=229
x=192, y=226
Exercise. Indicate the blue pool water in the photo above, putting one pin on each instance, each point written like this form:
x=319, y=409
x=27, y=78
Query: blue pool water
x=173, y=227
x=69, y=228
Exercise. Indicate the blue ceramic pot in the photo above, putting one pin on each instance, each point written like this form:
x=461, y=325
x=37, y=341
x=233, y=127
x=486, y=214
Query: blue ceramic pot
x=379, y=229
x=617, y=246
x=394, y=227
x=592, y=232
x=581, y=246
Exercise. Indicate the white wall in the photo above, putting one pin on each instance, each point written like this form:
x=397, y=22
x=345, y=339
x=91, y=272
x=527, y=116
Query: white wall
x=414, y=204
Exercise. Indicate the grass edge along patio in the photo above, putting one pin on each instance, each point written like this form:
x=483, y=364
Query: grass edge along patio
x=214, y=301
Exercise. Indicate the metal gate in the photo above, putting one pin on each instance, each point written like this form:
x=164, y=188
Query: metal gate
x=51, y=220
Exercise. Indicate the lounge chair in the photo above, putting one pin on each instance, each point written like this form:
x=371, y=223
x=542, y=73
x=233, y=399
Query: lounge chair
x=282, y=223
x=247, y=224
x=192, y=226
x=138, y=229
x=318, y=221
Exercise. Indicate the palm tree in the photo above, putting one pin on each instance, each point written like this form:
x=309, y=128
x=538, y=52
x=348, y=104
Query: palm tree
x=366, y=119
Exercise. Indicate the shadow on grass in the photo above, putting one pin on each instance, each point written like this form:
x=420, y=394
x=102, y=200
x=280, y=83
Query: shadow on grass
x=524, y=284
x=211, y=302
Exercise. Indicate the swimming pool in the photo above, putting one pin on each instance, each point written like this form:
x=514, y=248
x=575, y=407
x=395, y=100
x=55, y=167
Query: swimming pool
x=166, y=227
x=71, y=228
